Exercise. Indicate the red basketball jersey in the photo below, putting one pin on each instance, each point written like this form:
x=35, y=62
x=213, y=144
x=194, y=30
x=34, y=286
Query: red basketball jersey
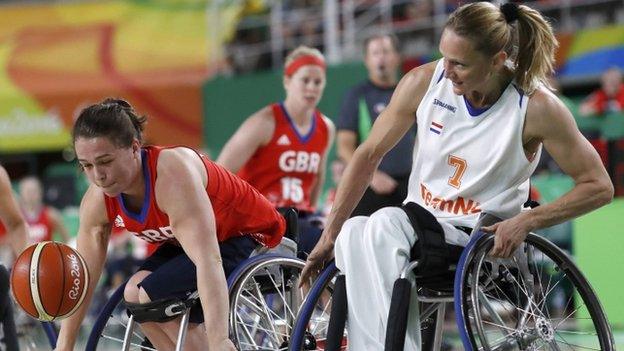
x=287, y=168
x=238, y=208
x=40, y=227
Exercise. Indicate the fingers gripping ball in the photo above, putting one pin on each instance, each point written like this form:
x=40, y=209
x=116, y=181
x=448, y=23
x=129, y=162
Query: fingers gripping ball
x=49, y=280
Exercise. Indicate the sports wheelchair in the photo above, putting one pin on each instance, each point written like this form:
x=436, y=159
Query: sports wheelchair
x=264, y=301
x=500, y=304
x=33, y=335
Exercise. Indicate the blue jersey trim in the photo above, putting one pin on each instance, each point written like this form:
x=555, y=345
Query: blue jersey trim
x=441, y=76
x=140, y=217
x=521, y=93
x=302, y=138
x=474, y=111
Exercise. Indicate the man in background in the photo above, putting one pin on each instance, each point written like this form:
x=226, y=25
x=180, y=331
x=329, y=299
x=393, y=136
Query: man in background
x=360, y=108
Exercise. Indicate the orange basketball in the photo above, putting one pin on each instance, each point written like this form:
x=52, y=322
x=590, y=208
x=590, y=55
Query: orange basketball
x=49, y=280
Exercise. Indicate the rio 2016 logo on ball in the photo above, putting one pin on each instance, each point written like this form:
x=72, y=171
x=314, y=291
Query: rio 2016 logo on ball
x=49, y=280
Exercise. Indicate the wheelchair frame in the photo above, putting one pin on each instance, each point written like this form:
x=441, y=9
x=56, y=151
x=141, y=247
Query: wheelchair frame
x=479, y=245
x=235, y=281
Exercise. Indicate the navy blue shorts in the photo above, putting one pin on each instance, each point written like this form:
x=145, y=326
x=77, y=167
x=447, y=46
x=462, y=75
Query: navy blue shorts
x=174, y=274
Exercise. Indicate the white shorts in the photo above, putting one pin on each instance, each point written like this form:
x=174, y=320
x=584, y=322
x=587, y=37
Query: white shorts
x=372, y=252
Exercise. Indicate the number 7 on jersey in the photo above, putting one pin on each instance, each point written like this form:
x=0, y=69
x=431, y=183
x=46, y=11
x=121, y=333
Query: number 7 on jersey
x=460, y=167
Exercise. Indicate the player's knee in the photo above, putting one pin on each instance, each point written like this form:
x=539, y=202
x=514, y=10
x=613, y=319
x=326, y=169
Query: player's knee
x=353, y=226
x=388, y=222
x=143, y=296
x=131, y=291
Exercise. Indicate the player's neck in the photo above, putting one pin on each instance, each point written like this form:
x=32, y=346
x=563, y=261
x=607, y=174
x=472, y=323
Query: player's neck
x=490, y=94
x=299, y=114
x=135, y=193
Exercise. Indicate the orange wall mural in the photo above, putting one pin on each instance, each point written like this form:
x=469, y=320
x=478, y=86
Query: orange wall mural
x=55, y=59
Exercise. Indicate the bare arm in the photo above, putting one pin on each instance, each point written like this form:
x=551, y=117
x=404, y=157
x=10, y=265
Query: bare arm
x=57, y=222
x=180, y=192
x=93, y=235
x=387, y=130
x=575, y=156
x=548, y=121
x=10, y=215
x=255, y=132
x=320, y=180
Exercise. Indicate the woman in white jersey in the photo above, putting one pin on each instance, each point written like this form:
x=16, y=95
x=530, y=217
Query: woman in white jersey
x=483, y=113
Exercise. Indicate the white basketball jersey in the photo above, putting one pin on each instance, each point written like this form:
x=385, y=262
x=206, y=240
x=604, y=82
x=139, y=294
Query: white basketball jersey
x=469, y=160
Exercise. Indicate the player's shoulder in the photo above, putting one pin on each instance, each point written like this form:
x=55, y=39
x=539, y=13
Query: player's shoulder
x=544, y=104
x=413, y=87
x=93, y=205
x=176, y=158
x=546, y=113
x=262, y=119
x=328, y=122
x=420, y=76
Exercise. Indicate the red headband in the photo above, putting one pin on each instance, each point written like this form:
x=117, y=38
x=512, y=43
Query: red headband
x=303, y=61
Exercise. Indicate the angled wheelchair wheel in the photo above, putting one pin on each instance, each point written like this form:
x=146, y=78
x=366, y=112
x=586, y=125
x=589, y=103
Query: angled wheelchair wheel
x=34, y=335
x=110, y=327
x=264, y=301
x=311, y=327
x=536, y=300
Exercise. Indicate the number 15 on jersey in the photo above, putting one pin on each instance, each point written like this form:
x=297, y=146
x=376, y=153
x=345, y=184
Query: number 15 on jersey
x=292, y=189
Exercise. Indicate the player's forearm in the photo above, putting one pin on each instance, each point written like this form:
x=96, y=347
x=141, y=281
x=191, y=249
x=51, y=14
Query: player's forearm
x=583, y=198
x=19, y=237
x=355, y=180
x=94, y=258
x=70, y=327
x=213, y=295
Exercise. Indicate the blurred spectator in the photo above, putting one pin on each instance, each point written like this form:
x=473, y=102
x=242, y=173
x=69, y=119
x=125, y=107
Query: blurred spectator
x=43, y=221
x=415, y=11
x=610, y=96
x=360, y=108
x=13, y=231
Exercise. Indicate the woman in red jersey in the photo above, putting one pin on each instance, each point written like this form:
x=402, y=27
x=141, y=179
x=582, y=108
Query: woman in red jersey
x=207, y=219
x=13, y=234
x=282, y=149
x=43, y=221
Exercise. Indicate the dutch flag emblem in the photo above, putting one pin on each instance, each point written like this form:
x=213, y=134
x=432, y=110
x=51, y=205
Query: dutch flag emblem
x=436, y=127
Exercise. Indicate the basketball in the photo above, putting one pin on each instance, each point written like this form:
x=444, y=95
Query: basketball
x=49, y=280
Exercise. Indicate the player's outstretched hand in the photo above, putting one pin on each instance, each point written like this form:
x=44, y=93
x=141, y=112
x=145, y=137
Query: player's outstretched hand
x=321, y=254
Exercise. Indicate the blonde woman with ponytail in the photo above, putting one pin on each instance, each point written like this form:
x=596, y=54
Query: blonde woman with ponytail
x=483, y=113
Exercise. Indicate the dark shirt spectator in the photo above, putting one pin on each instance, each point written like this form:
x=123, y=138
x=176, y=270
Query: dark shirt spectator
x=360, y=108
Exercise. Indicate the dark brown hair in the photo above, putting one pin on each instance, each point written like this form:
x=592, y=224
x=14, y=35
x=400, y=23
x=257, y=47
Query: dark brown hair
x=112, y=118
